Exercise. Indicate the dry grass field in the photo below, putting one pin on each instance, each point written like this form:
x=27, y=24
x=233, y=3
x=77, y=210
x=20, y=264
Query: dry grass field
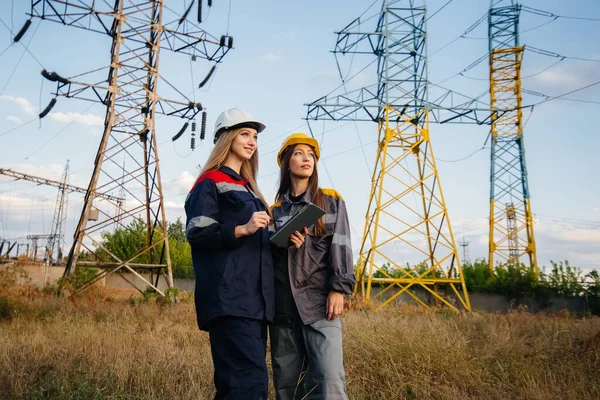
x=104, y=346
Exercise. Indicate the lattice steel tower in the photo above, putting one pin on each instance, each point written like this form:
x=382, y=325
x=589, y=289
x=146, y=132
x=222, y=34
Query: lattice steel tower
x=406, y=209
x=128, y=147
x=511, y=221
x=59, y=220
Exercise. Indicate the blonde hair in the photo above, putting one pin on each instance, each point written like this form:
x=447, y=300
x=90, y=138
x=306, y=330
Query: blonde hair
x=219, y=154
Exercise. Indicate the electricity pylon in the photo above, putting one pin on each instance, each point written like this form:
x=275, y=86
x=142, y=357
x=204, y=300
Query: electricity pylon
x=406, y=209
x=59, y=184
x=511, y=220
x=131, y=98
x=34, y=244
x=56, y=239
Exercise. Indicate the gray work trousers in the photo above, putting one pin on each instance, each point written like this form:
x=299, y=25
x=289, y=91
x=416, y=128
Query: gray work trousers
x=308, y=361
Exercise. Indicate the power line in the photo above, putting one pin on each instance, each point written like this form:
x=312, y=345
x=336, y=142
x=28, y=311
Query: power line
x=18, y=127
x=538, y=26
x=464, y=158
x=330, y=156
x=560, y=97
x=549, y=14
x=538, y=94
x=346, y=89
x=543, y=70
x=352, y=77
x=469, y=67
x=228, y=17
x=528, y=47
x=283, y=134
x=581, y=101
x=573, y=223
x=438, y=10
x=56, y=135
x=12, y=17
x=362, y=146
x=295, y=129
x=26, y=47
x=368, y=8
x=6, y=49
x=466, y=32
x=20, y=58
x=553, y=54
x=567, y=218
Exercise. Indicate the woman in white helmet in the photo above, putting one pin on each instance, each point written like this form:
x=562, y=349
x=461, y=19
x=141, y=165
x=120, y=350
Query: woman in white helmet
x=310, y=281
x=226, y=217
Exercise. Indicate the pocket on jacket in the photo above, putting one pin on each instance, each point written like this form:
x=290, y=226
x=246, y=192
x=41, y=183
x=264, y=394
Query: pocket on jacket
x=228, y=272
x=236, y=197
x=319, y=250
x=240, y=206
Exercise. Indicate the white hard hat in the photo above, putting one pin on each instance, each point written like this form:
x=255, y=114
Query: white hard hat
x=236, y=118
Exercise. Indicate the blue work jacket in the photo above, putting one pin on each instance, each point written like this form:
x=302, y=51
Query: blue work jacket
x=234, y=276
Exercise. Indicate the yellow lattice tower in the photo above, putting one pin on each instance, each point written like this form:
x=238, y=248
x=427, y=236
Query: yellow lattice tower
x=406, y=216
x=407, y=209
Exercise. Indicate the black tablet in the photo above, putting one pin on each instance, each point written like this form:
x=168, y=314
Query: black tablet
x=307, y=216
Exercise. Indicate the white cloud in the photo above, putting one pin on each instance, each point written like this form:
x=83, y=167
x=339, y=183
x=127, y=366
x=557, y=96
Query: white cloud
x=22, y=102
x=271, y=57
x=173, y=205
x=83, y=119
x=13, y=118
x=571, y=77
x=570, y=234
x=286, y=35
x=559, y=77
x=48, y=171
x=179, y=186
x=186, y=180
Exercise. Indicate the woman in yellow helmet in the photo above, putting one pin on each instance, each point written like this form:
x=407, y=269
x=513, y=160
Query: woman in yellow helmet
x=311, y=279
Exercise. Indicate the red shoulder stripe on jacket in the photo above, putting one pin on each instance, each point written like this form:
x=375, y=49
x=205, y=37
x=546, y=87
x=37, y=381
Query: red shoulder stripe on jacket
x=217, y=177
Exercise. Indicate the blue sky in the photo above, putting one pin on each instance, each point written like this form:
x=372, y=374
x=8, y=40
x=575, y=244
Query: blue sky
x=282, y=60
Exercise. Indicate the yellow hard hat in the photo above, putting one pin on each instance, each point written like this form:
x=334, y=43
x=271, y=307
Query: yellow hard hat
x=298, y=138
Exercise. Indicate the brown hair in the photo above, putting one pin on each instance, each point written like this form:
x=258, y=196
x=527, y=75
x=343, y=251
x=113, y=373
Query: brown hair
x=285, y=183
x=249, y=169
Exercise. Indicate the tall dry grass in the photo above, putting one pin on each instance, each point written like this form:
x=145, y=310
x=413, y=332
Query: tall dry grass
x=98, y=348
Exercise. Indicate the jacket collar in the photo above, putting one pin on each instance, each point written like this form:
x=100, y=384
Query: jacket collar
x=286, y=203
x=225, y=169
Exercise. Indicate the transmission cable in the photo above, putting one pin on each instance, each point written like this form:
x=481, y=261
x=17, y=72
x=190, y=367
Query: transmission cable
x=228, y=18
x=18, y=127
x=556, y=55
x=12, y=17
x=6, y=49
x=56, y=135
x=438, y=10
x=464, y=158
x=538, y=94
x=19, y=61
x=561, y=96
x=543, y=13
x=538, y=26
x=471, y=66
x=26, y=48
x=469, y=30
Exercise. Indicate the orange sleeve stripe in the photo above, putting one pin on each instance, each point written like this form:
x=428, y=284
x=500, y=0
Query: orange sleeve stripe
x=332, y=193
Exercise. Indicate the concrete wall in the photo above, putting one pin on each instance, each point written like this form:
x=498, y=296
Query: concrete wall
x=491, y=302
x=479, y=301
x=37, y=273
